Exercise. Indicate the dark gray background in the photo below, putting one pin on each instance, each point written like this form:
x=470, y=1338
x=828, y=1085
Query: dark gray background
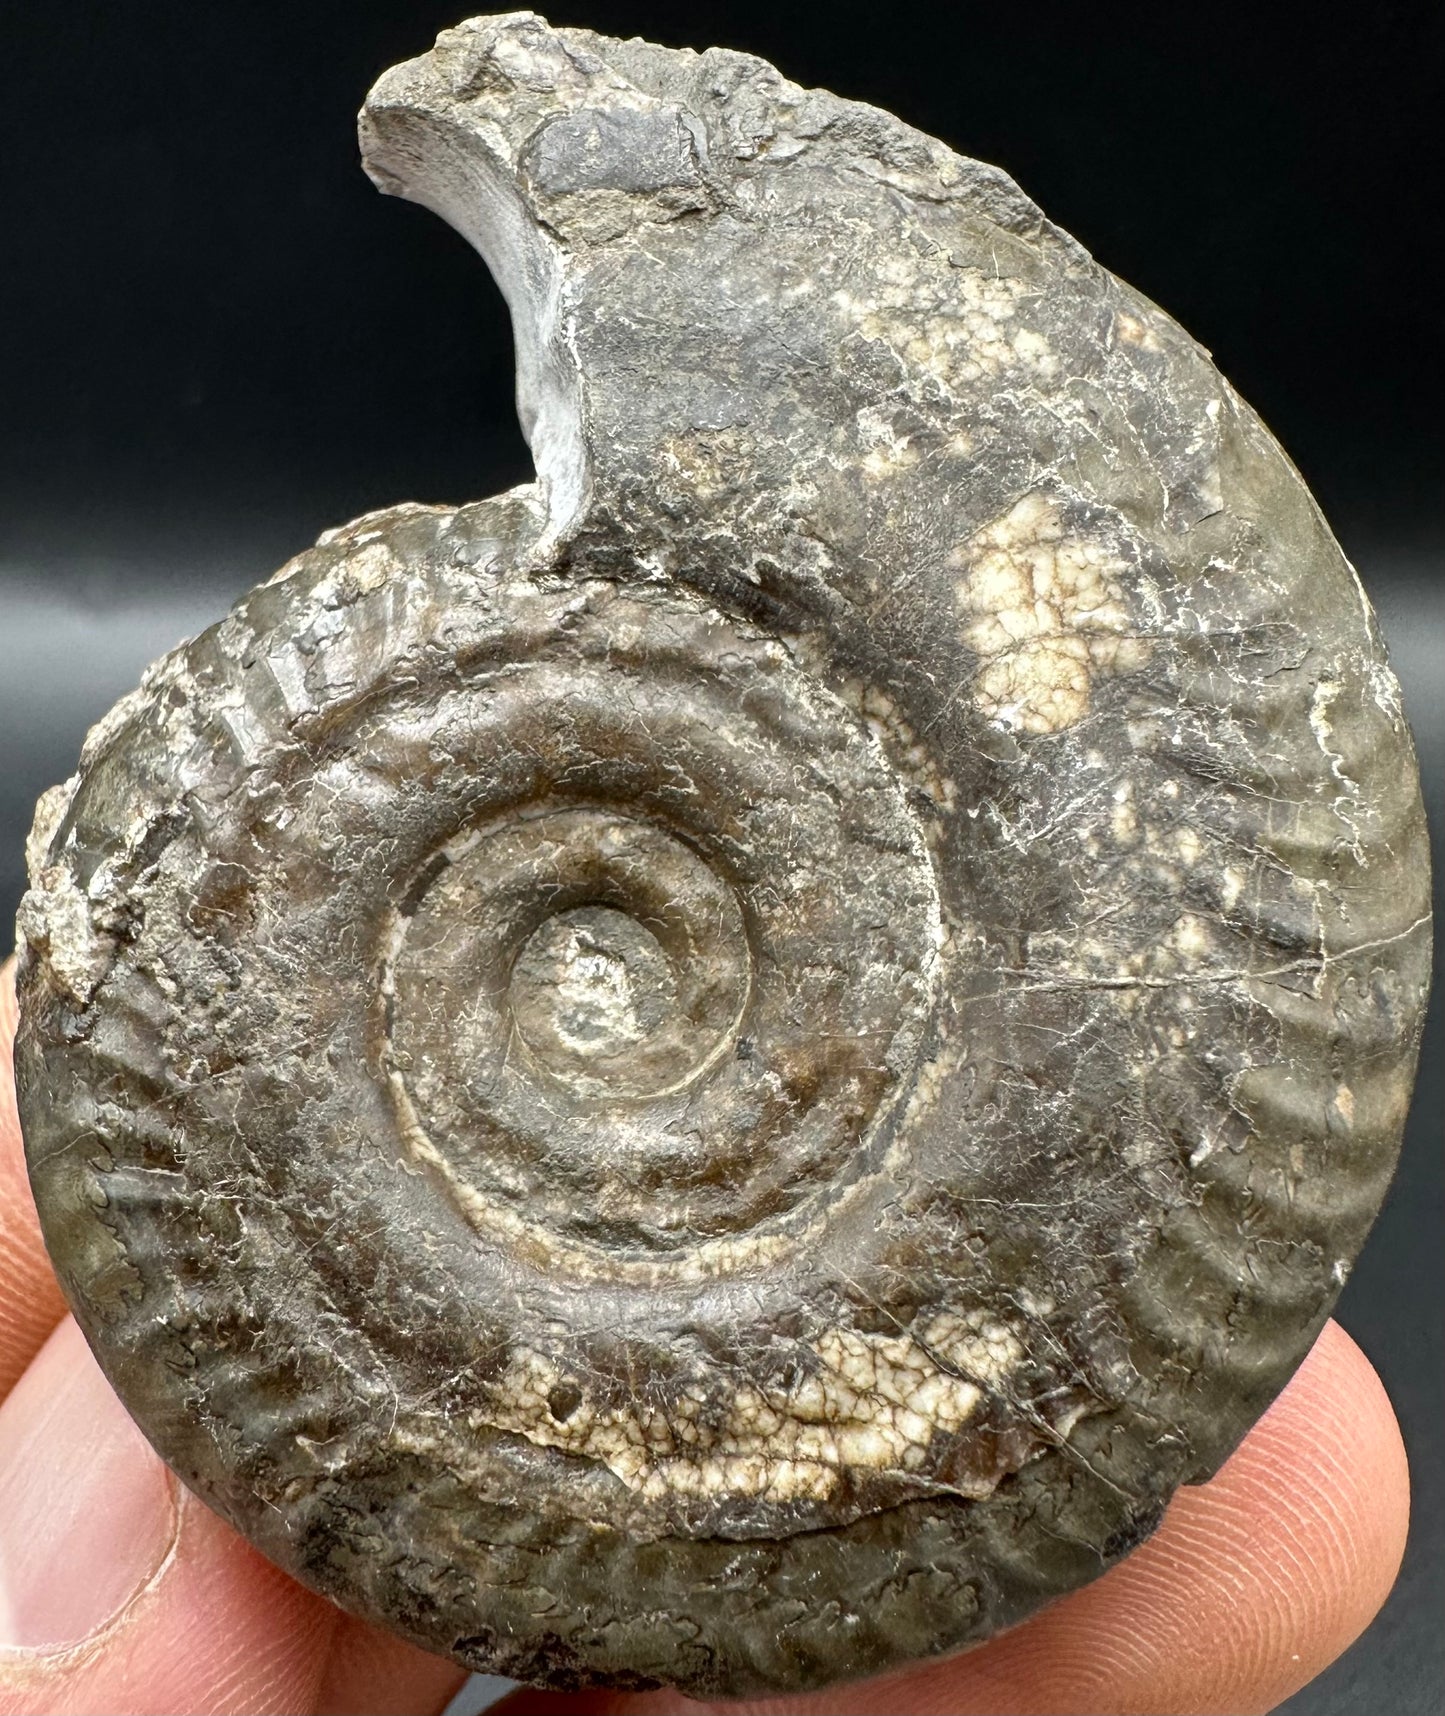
x=216, y=340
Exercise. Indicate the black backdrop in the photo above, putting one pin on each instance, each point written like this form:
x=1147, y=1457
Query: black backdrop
x=216, y=340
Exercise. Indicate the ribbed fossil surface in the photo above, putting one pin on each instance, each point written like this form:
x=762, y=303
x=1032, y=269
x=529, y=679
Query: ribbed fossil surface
x=724, y=1069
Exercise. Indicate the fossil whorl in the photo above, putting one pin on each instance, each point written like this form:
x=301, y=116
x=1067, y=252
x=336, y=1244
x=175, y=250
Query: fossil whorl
x=727, y=1067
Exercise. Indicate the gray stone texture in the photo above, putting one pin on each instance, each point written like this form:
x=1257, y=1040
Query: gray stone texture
x=726, y=1068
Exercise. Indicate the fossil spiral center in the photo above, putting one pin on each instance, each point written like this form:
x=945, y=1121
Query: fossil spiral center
x=654, y=986
x=634, y=978
x=588, y=985
x=562, y=970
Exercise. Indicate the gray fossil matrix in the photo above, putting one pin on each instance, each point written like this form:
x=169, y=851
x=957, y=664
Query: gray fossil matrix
x=725, y=1068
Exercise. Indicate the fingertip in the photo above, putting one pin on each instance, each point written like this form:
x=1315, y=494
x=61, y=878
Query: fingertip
x=372, y=1673
x=1323, y=1488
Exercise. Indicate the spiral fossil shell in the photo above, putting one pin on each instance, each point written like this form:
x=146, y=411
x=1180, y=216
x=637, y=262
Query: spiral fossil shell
x=725, y=1068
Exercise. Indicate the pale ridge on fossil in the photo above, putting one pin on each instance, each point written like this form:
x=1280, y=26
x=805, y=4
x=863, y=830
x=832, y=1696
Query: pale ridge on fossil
x=726, y=1068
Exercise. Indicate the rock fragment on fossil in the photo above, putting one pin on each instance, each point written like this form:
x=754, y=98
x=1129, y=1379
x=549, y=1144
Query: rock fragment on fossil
x=724, y=1069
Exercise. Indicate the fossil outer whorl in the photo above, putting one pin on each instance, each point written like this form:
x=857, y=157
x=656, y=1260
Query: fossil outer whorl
x=726, y=1068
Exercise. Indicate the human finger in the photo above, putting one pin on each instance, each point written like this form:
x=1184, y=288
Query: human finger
x=373, y=1673
x=31, y=1303
x=119, y=1591
x=1254, y=1582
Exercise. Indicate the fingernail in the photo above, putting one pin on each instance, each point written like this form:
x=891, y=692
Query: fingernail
x=87, y=1510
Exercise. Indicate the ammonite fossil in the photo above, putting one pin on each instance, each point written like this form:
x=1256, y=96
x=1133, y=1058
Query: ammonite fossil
x=725, y=1068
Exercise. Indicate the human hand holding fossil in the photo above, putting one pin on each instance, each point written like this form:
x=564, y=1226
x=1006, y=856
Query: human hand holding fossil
x=119, y=1591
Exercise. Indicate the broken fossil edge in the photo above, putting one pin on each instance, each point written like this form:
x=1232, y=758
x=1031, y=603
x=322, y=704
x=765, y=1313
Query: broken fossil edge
x=723, y=1070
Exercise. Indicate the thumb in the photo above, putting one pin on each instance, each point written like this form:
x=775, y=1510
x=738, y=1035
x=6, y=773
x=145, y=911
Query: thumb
x=118, y=1589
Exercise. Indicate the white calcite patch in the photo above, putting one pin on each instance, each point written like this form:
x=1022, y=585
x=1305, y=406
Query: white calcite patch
x=910, y=755
x=1044, y=611
x=865, y=1402
x=957, y=325
x=885, y=451
x=1131, y=330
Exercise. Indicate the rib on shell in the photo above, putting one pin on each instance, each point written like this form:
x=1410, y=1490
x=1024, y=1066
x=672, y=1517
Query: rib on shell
x=725, y=1068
